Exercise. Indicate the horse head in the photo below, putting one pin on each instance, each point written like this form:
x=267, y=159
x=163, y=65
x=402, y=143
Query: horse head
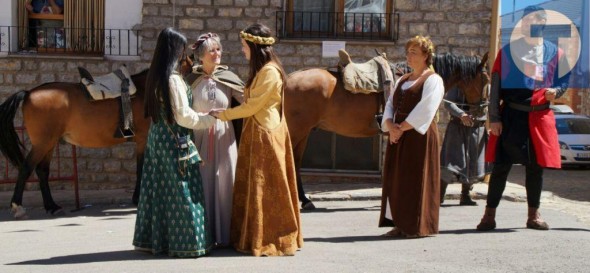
x=186, y=65
x=468, y=73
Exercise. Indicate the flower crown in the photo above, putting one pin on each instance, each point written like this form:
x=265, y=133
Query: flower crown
x=257, y=39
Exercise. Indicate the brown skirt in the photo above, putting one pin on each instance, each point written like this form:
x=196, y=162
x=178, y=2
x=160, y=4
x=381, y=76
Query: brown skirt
x=411, y=183
x=265, y=213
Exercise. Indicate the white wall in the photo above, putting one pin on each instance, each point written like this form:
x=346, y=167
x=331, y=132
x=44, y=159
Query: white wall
x=8, y=18
x=122, y=15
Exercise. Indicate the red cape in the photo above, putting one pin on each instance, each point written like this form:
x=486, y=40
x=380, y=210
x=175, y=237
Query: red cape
x=541, y=127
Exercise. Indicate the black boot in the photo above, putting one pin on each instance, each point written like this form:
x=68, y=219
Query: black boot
x=465, y=196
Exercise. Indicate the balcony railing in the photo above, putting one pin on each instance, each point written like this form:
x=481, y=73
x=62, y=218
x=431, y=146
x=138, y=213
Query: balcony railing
x=72, y=41
x=337, y=25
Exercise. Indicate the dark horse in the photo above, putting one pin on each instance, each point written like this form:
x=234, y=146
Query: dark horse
x=61, y=110
x=316, y=98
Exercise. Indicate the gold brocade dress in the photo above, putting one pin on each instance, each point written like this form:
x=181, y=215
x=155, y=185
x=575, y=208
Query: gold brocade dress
x=265, y=214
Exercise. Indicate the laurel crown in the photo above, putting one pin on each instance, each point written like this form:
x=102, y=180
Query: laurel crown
x=257, y=39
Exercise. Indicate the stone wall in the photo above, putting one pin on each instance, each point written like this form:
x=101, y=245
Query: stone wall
x=457, y=26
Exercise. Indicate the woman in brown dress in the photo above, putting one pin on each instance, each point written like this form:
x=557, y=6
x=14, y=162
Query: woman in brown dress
x=411, y=180
x=265, y=215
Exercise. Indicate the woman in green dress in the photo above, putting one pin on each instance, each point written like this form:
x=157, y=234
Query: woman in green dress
x=171, y=214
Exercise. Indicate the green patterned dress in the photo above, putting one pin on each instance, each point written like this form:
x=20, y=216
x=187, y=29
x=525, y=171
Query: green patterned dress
x=171, y=214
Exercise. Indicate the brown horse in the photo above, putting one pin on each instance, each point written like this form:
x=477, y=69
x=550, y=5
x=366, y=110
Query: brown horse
x=316, y=98
x=60, y=110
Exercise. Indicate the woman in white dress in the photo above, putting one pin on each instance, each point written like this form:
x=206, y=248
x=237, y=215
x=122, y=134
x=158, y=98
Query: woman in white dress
x=213, y=86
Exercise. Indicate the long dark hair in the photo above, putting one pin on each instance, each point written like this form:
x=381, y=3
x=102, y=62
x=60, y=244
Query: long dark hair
x=164, y=62
x=262, y=54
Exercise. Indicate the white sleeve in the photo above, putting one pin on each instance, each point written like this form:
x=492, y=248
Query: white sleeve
x=388, y=111
x=423, y=114
x=184, y=115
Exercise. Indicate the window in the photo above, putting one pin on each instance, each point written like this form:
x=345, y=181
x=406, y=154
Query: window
x=108, y=28
x=338, y=19
x=49, y=26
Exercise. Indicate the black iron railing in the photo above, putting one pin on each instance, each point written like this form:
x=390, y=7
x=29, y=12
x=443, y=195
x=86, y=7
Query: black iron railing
x=337, y=25
x=50, y=40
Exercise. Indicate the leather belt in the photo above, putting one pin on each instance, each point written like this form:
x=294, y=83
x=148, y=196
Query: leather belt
x=528, y=108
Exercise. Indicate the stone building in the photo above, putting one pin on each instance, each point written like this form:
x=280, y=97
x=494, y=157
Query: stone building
x=456, y=26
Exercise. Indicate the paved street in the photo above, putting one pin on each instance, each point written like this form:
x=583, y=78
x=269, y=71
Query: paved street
x=341, y=236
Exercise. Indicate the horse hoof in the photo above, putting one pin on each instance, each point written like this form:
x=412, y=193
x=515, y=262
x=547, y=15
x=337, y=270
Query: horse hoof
x=56, y=212
x=19, y=212
x=308, y=206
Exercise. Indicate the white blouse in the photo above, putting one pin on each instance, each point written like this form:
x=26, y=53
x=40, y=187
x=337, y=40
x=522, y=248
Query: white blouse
x=184, y=115
x=423, y=114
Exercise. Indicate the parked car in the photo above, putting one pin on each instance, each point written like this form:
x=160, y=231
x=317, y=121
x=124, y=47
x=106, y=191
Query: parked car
x=574, y=139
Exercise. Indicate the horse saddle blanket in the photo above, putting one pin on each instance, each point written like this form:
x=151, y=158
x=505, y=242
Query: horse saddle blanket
x=366, y=78
x=107, y=86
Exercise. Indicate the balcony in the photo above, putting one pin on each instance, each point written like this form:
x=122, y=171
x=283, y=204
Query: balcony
x=69, y=41
x=337, y=25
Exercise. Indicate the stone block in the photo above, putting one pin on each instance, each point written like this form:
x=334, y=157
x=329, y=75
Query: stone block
x=429, y=5
x=311, y=61
x=259, y=3
x=419, y=29
x=275, y=3
x=204, y=2
x=223, y=2
x=94, y=165
x=434, y=16
x=229, y=12
x=1, y=78
x=26, y=78
x=52, y=66
x=196, y=24
x=10, y=65
x=112, y=166
x=404, y=5
x=150, y=10
x=253, y=12
x=200, y=12
x=309, y=50
x=219, y=24
x=242, y=3
x=470, y=5
x=47, y=78
x=130, y=166
x=170, y=11
x=156, y=2
x=94, y=153
x=123, y=151
x=470, y=29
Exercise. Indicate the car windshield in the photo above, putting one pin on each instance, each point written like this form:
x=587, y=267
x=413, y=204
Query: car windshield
x=570, y=126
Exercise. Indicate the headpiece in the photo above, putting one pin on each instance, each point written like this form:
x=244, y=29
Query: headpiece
x=257, y=39
x=202, y=39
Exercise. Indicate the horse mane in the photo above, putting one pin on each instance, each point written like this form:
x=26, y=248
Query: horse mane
x=448, y=65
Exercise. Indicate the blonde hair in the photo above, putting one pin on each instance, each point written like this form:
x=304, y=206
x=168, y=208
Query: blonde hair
x=425, y=45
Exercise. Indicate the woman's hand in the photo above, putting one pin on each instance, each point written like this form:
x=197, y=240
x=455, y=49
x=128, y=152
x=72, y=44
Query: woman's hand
x=215, y=113
x=395, y=133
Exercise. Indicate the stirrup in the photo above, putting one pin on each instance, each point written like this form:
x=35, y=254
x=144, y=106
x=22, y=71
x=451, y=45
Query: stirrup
x=124, y=133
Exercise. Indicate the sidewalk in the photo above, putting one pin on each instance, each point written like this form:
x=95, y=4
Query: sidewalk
x=317, y=191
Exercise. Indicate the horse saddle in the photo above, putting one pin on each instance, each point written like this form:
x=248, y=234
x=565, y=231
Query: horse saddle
x=117, y=84
x=107, y=86
x=369, y=77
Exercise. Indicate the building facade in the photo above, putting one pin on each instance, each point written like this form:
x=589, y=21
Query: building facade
x=457, y=26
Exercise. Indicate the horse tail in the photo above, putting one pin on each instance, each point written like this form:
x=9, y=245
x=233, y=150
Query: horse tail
x=10, y=144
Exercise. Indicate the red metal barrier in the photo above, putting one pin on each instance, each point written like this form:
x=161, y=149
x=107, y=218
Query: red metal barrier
x=55, y=175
